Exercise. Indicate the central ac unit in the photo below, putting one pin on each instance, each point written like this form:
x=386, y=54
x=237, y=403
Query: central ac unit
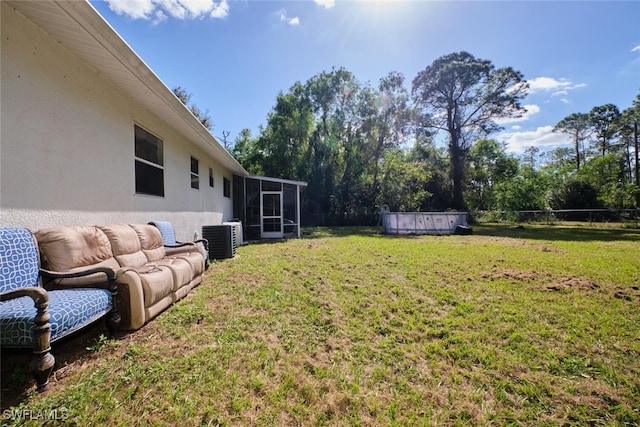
x=238, y=227
x=222, y=240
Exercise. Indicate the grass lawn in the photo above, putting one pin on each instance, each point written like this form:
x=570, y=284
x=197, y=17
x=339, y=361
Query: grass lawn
x=527, y=326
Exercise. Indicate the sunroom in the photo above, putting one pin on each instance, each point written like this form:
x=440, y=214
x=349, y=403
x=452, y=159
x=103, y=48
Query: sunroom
x=269, y=208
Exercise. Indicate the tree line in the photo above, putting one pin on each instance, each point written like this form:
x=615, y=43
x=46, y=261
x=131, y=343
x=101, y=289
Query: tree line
x=360, y=146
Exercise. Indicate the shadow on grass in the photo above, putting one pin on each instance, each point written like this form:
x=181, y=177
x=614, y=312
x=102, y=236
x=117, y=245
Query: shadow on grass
x=581, y=232
x=70, y=353
x=564, y=232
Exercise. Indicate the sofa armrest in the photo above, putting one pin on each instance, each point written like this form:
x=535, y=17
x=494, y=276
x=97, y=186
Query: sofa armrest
x=204, y=242
x=42, y=365
x=179, y=245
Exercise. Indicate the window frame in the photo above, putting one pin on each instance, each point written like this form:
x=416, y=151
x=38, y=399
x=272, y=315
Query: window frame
x=226, y=187
x=195, y=174
x=141, y=183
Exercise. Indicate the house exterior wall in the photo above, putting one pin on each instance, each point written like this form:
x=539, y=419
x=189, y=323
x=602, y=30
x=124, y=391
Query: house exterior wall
x=67, y=145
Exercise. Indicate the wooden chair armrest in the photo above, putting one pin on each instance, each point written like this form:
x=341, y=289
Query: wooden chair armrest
x=37, y=294
x=112, y=286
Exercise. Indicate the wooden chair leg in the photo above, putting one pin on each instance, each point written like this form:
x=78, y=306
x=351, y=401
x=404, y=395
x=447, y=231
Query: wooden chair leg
x=43, y=363
x=113, y=322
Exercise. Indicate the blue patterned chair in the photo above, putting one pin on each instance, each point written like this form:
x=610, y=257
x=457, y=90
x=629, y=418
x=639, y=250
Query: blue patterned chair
x=33, y=317
x=173, y=247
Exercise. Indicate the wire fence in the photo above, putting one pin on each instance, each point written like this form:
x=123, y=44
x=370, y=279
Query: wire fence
x=545, y=215
x=553, y=215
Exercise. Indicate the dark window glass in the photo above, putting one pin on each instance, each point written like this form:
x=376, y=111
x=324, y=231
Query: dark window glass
x=226, y=184
x=149, y=163
x=149, y=179
x=195, y=179
x=148, y=146
x=211, y=177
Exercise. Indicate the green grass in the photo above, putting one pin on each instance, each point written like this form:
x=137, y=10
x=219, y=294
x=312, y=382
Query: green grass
x=509, y=326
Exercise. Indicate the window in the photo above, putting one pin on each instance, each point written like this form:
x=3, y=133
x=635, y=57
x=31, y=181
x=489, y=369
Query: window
x=226, y=184
x=195, y=178
x=149, y=163
x=211, y=177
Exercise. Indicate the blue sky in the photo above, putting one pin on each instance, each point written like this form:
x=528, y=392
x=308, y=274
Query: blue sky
x=234, y=56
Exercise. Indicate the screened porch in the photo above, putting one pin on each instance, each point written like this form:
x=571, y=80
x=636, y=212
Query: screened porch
x=269, y=208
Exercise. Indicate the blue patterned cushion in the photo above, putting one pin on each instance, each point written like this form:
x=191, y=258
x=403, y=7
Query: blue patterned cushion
x=18, y=259
x=70, y=310
x=167, y=231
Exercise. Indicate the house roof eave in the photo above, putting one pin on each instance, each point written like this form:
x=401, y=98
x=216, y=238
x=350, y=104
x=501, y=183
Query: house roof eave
x=82, y=30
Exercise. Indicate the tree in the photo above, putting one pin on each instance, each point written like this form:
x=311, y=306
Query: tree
x=606, y=173
x=526, y=191
x=578, y=127
x=247, y=152
x=391, y=117
x=462, y=96
x=185, y=98
x=575, y=193
x=603, y=120
x=489, y=165
x=283, y=141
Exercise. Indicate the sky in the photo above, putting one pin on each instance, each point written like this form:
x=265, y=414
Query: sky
x=235, y=56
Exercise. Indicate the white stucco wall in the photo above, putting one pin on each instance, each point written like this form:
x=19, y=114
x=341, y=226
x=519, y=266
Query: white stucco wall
x=67, y=145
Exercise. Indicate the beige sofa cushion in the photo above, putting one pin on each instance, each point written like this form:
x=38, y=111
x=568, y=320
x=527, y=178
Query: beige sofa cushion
x=150, y=241
x=67, y=248
x=125, y=245
x=72, y=249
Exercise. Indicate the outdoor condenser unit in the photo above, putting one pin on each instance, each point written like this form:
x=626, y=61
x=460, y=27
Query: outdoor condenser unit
x=239, y=234
x=222, y=240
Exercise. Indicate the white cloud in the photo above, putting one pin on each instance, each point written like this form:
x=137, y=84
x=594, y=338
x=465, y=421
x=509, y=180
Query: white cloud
x=555, y=86
x=221, y=10
x=160, y=10
x=284, y=18
x=136, y=9
x=542, y=137
x=531, y=110
x=636, y=49
x=159, y=17
x=327, y=4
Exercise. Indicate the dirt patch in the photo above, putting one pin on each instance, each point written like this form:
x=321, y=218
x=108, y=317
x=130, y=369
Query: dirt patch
x=571, y=283
x=628, y=294
x=512, y=275
x=546, y=282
